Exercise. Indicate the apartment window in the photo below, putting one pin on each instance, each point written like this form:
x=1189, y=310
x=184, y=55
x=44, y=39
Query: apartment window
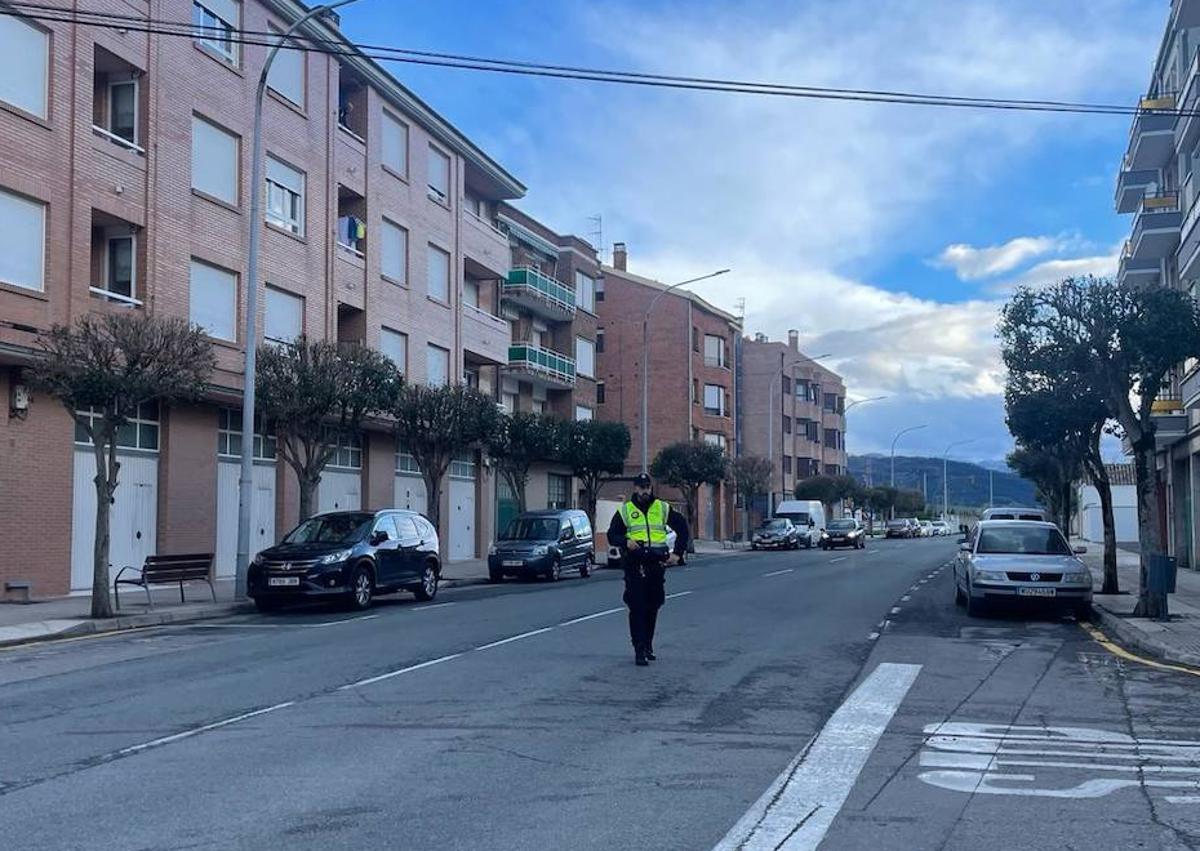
x=215, y=24
x=714, y=350
x=471, y=293
x=833, y=438
x=787, y=465
x=347, y=450
x=140, y=430
x=585, y=357
x=583, y=413
x=815, y=393
x=212, y=300
x=462, y=465
x=394, y=147
x=437, y=366
x=406, y=462
x=600, y=289
x=120, y=253
x=22, y=239
x=831, y=402
x=714, y=400
x=439, y=175
x=695, y=391
x=287, y=71
x=395, y=346
x=814, y=431
x=438, y=274
x=715, y=438
x=284, y=320
x=24, y=65
x=393, y=243
x=585, y=292
x=802, y=389
x=229, y=436
x=787, y=386
x=538, y=406
x=695, y=339
x=285, y=196
x=599, y=341
x=558, y=491
x=599, y=392
x=214, y=161
x=728, y=404
x=508, y=401
x=122, y=118
x=787, y=425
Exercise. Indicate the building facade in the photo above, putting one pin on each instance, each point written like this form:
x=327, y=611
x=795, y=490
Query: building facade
x=794, y=412
x=1159, y=185
x=124, y=186
x=692, y=379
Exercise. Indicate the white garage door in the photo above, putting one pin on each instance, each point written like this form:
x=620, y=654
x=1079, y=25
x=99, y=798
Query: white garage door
x=410, y=494
x=133, y=521
x=461, y=525
x=339, y=490
x=262, y=513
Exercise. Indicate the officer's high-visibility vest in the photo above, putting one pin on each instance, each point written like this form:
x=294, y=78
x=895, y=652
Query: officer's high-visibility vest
x=649, y=526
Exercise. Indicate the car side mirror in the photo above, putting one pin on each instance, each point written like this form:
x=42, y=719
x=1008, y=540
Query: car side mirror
x=378, y=537
x=565, y=536
x=964, y=547
x=1080, y=550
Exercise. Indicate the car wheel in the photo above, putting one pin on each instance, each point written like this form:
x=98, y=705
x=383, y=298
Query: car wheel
x=960, y=599
x=429, y=583
x=555, y=573
x=264, y=605
x=753, y=547
x=585, y=569
x=1083, y=611
x=495, y=577
x=974, y=606
x=362, y=588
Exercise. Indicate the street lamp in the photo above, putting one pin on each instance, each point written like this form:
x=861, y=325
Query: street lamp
x=863, y=402
x=945, y=480
x=646, y=360
x=250, y=333
x=899, y=435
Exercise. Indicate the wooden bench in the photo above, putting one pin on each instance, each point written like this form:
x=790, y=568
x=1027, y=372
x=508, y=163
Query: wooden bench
x=167, y=570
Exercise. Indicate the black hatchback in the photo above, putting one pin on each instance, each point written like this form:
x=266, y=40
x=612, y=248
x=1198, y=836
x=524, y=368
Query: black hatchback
x=348, y=556
x=543, y=543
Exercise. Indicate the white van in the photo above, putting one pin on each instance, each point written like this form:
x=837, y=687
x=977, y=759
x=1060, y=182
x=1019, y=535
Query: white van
x=809, y=517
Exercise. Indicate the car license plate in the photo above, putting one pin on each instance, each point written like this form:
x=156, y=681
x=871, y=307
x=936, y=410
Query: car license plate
x=513, y=563
x=1036, y=592
x=277, y=581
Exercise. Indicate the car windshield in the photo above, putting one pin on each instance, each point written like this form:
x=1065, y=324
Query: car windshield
x=1023, y=540
x=531, y=529
x=774, y=526
x=897, y=524
x=332, y=529
x=841, y=525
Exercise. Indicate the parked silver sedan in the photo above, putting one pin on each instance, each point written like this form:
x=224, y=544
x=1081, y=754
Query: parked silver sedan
x=1010, y=561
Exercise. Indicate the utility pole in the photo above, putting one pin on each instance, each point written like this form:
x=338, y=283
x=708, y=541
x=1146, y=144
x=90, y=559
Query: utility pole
x=991, y=489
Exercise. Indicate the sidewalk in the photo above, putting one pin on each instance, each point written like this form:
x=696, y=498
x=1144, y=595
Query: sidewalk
x=1177, y=640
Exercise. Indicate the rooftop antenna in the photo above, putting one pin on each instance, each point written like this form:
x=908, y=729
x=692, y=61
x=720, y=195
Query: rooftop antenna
x=740, y=304
x=597, y=234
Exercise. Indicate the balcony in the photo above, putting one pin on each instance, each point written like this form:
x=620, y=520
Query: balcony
x=1131, y=186
x=539, y=294
x=484, y=246
x=542, y=367
x=1135, y=272
x=1156, y=227
x=1152, y=136
x=485, y=336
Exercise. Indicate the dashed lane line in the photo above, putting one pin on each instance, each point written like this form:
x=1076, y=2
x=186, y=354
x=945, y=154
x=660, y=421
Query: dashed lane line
x=836, y=560
x=371, y=680
x=195, y=731
x=591, y=616
x=778, y=572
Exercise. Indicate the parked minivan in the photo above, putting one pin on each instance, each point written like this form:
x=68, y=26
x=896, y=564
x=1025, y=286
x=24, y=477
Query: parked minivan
x=543, y=543
x=808, y=515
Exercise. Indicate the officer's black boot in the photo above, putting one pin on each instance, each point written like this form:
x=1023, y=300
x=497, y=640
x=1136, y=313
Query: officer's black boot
x=639, y=657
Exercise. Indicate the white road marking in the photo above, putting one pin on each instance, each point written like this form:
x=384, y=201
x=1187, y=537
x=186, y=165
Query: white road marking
x=593, y=615
x=778, y=572
x=513, y=638
x=391, y=674
x=872, y=636
x=165, y=740
x=906, y=598
x=836, y=560
x=1183, y=799
x=874, y=552
x=677, y=594
x=895, y=610
x=321, y=625
x=431, y=606
x=799, y=807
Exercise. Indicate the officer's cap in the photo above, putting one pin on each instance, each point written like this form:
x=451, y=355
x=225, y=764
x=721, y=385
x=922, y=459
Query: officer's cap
x=642, y=480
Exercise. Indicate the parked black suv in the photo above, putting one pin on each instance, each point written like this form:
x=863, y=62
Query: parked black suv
x=843, y=533
x=543, y=543
x=348, y=555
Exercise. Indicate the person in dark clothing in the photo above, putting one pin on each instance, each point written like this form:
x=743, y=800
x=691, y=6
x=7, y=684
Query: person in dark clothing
x=640, y=529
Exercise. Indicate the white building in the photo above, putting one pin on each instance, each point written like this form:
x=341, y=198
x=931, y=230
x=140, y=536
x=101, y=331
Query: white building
x=1089, y=520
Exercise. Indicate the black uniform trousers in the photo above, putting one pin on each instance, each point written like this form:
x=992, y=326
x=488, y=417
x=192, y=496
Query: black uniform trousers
x=645, y=592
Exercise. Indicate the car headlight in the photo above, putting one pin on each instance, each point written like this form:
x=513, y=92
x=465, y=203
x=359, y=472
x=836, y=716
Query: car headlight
x=540, y=550
x=257, y=560
x=989, y=576
x=824, y=534
x=491, y=549
x=1078, y=578
x=333, y=558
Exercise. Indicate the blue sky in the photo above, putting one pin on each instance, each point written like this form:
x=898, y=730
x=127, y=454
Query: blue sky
x=888, y=235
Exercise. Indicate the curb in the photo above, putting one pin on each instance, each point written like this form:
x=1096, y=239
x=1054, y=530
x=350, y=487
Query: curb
x=119, y=624
x=1136, y=638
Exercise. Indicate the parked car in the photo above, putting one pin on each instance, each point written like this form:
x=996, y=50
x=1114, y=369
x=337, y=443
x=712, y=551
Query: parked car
x=1014, y=513
x=925, y=528
x=899, y=528
x=348, y=555
x=1008, y=561
x=808, y=515
x=543, y=543
x=843, y=533
x=777, y=534
x=941, y=528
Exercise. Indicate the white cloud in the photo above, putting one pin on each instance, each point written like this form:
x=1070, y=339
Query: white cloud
x=971, y=263
x=1053, y=271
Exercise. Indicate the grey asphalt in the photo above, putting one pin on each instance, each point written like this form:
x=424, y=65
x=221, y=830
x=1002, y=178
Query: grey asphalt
x=555, y=740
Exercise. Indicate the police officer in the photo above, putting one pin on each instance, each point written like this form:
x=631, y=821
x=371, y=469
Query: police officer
x=639, y=529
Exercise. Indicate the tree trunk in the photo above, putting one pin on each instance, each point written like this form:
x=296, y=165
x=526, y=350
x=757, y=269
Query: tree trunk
x=1112, y=582
x=308, y=493
x=433, y=506
x=1150, y=541
x=591, y=494
x=106, y=485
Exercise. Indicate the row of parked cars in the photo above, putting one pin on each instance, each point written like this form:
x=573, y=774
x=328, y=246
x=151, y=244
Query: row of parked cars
x=910, y=527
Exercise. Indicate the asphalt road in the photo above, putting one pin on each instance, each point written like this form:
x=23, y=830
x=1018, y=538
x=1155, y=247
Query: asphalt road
x=792, y=702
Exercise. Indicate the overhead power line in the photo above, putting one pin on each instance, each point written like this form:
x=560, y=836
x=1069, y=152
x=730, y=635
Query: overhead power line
x=336, y=47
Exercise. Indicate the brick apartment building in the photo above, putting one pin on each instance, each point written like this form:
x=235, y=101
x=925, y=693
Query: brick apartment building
x=801, y=402
x=692, y=376
x=124, y=171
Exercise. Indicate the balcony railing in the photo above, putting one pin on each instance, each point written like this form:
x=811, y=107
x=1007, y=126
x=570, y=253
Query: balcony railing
x=118, y=140
x=529, y=280
x=545, y=362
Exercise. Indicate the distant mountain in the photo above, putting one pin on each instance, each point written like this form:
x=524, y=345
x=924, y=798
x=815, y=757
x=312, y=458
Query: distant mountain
x=968, y=482
x=998, y=465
